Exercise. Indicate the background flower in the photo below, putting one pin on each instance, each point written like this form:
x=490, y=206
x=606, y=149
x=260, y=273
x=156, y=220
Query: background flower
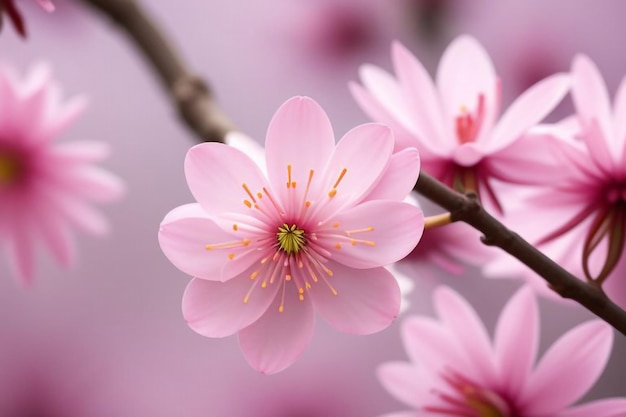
x=456, y=370
x=47, y=189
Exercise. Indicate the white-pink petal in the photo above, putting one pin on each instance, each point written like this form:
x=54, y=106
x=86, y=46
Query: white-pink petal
x=366, y=301
x=423, y=99
x=300, y=136
x=217, y=309
x=568, y=369
x=516, y=340
x=277, y=340
x=611, y=407
x=183, y=236
x=216, y=174
x=528, y=110
x=399, y=178
x=364, y=154
x=591, y=99
x=405, y=382
x=369, y=237
x=461, y=319
x=464, y=72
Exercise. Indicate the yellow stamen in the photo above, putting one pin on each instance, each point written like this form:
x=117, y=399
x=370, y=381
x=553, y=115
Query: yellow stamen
x=337, y=245
x=332, y=193
x=245, y=187
x=343, y=172
x=289, y=176
x=228, y=245
x=231, y=256
x=365, y=229
x=247, y=203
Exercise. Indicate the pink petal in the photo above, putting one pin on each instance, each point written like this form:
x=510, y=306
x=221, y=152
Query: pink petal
x=47, y=5
x=619, y=117
x=516, y=340
x=405, y=382
x=364, y=153
x=57, y=236
x=89, y=182
x=423, y=99
x=429, y=343
x=464, y=72
x=20, y=248
x=528, y=110
x=367, y=300
x=376, y=111
x=183, y=237
x=386, y=91
x=217, y=309
x=468, y=154
x=611, y=407
x=300, y=135
x=555, y=384
x=390, y=238
x=462, y=321
x=216, y=173
x=591, y=99
x=399, y=178
x=249, y=146
x=80, y=152
x=277, y=340
x=60, y=117
x=405, y=414
x=530, y=160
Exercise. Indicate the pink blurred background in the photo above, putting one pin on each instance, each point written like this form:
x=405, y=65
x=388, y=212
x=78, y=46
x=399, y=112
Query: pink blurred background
x=108, y=338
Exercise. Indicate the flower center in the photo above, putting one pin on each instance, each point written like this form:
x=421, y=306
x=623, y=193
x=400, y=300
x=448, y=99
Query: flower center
x=467, y=124
x=10, y=169
x=470, y=400
x=290, y=239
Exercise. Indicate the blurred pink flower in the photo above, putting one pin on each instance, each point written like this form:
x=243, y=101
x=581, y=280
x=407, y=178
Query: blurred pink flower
x=46, y=188
x=456, y=370
x=455, y=124
x=8, y=7
x=579, y=217
x=263, y=253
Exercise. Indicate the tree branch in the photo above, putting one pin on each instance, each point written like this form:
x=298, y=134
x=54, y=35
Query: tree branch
x=189, y=94
x=201, y=114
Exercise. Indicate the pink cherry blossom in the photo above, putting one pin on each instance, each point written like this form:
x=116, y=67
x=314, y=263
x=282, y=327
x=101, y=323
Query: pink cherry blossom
x=264, y=252
x=455, y=124
x=46, y=188
x=456, y=370
x=579, y=216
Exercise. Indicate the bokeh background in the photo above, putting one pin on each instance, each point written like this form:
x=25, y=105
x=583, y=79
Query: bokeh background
x=107, y=338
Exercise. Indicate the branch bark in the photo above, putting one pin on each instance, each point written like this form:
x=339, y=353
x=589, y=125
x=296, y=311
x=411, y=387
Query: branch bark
x=195, y=104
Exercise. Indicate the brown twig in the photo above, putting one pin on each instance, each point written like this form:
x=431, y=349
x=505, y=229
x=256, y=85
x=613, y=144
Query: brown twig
x=189, y=93
x=199, y=111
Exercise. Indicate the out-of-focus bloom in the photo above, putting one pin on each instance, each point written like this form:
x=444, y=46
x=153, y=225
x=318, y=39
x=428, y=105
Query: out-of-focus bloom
x=46, y=188
x=8, y=7
x=579, y=217
x=456, y=370
x=455, y=124
x=318, y=232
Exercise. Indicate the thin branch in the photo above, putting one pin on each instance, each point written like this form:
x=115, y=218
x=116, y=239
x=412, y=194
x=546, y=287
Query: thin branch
x=468, y=209
x=201, y=114
x=189, y=93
